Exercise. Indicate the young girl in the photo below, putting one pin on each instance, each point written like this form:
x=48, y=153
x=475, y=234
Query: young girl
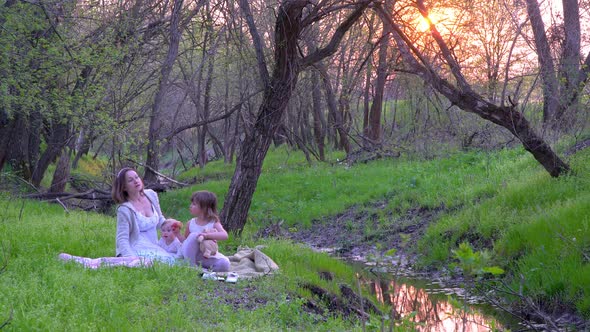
x=204, y=209
x=168, y=240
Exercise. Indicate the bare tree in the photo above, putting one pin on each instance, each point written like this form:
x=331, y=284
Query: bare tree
x=153, y=150
x=287, y=65
x=562, y=82
x=374, y=116
x=462, y=94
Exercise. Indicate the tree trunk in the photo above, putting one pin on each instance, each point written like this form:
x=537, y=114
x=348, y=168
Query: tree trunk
x=202, y=151
x=570, y=63
x=550, y=84
x=366, y=97
x=57, y=139
x=4, y=137
x=153, y=148
x=374, y=132
x=319, y=123
x=14, y=146
x=276, y=96
x=82, y=145
x=333, y=109
x=62, y=173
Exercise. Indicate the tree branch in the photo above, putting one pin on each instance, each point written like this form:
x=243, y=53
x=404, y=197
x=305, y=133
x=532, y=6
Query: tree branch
x=159, y=174
x=211, y=120
x=258, y=46
x=455, y=68
x=332, y=46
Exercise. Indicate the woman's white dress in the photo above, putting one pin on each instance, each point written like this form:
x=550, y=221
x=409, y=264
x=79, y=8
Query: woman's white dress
x=147, y=245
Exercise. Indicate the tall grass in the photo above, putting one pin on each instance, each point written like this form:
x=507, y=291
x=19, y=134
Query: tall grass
x=537, y=226
x=300, y=194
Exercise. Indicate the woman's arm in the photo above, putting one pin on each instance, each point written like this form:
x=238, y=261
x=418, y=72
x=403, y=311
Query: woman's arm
x=220, y=235
x=123, y=245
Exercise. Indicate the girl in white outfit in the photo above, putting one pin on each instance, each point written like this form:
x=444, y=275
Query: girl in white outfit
x=204, y=209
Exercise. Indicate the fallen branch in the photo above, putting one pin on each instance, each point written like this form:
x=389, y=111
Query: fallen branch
x=63, y=205
x=182, y=184
x=92, y=194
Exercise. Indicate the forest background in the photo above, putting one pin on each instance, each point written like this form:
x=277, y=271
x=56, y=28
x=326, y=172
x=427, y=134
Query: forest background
x=166, y=86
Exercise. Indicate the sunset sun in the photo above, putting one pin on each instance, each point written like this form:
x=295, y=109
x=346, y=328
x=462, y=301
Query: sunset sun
x=423, y=23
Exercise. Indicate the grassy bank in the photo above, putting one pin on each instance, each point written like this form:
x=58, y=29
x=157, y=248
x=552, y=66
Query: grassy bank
x=39, y=292
x=503, y=201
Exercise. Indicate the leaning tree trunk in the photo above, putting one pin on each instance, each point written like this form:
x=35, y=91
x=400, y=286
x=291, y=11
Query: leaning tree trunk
x=463, y=96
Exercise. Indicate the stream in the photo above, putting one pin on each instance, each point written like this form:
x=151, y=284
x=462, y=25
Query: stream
x=430, y=305
x=434, y=307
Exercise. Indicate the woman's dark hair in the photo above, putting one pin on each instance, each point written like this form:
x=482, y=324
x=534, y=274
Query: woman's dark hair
x=119, y=193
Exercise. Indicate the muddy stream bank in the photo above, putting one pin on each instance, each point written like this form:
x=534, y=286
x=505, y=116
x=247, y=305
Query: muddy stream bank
x=429, y=299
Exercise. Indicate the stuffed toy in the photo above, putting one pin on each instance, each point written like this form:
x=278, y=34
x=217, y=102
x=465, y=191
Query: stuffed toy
x=208, y=247
x=176, y=226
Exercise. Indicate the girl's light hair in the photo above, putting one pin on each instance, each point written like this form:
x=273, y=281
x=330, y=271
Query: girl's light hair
x=119, y=193
x=173, y=223
x=208, y=202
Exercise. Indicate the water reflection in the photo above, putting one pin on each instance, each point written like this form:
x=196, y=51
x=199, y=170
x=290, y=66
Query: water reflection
x=431, y=312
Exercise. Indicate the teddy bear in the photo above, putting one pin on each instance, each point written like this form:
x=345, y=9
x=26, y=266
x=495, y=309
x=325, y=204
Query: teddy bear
x=208, y=247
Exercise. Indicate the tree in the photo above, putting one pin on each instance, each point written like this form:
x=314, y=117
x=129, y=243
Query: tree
x=462, y=94
x=153, y=150
x=374, y=116
x=287, y=65
x=562, y=82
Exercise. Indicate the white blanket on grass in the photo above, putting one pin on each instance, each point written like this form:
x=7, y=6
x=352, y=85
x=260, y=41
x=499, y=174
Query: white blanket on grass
x=249, y=263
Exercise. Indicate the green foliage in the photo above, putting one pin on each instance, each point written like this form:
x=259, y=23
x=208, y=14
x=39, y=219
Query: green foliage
x=502, y=212
x=475, y=263
x=290, y=190
x=501, y=203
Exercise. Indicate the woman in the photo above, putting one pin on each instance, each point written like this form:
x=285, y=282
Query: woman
x=138, y=218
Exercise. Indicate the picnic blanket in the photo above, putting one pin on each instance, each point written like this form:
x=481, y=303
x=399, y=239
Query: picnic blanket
x=249, y=263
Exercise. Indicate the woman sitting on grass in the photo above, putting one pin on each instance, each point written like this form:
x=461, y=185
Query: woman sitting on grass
x=138, y=218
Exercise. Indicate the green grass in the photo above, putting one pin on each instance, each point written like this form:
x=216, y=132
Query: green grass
x=290, y=190
x=537, y=226
x=498, y=200
x=504, y=201
x=40, y=292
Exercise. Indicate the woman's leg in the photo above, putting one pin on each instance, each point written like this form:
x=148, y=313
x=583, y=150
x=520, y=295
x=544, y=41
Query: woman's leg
x=95, y=263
